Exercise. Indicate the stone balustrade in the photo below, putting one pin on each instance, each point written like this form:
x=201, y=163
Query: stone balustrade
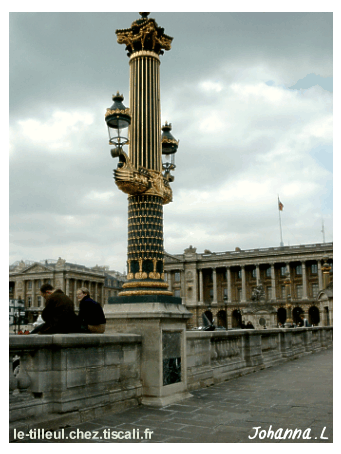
x=74, y=375
x=72, y=378
x=216, y=356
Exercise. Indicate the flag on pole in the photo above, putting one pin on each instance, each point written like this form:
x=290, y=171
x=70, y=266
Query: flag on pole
x=280, y=205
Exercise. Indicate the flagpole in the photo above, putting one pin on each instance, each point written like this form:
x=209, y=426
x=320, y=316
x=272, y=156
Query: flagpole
x=324, y=238
x=280, y=222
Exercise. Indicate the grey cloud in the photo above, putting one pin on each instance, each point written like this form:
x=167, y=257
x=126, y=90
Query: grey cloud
x=73, y=58
x=72, y=62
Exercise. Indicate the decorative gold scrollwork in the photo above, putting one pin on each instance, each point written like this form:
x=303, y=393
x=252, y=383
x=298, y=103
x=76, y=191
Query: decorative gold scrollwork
x=135, y=37
x=117, y=111
x=134, y=181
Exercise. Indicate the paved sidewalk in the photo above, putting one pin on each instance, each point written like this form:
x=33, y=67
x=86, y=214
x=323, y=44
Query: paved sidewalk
x=294, y=395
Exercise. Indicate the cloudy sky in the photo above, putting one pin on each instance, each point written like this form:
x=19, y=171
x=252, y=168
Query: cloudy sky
x=249, y=96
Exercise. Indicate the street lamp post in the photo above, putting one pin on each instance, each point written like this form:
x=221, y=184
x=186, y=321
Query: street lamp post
x=139, y=173
x=145, y=306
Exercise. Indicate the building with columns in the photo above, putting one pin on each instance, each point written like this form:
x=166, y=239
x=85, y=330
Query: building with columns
x=221, y=284
x=26, y=278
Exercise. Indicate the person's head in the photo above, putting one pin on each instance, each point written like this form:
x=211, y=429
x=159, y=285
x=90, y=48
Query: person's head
x=82, y=292
x=46, y=290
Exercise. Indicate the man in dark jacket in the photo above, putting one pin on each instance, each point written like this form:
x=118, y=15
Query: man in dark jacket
x=91, y=316
x=59, y=315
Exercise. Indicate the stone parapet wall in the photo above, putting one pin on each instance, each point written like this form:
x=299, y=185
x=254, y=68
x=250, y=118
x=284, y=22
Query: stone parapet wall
x=68, y=379
x=216, y=356
x=75, y=375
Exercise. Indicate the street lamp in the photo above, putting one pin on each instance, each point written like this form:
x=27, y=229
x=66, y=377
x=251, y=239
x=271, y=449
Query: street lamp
x=139, y=172
x=169, y=148
x=117, y=118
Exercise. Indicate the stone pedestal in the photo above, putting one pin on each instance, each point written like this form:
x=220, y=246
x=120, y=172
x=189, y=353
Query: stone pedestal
x=162, y=326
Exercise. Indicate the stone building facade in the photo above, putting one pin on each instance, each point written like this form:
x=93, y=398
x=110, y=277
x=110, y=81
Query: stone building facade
x=221, y=284
x=26, y=278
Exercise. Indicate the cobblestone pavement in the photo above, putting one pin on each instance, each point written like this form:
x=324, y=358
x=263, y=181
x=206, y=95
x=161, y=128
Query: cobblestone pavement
x=294, y=395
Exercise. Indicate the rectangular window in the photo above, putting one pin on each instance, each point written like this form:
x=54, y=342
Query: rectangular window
x=211, y=294
x=254, y=274
x=283, y=271
x=239, y=274
x=283, y=293
x=269, y=292
x=39, y=301
x=299, y=291
x=314, y=268
x=177, y=277
x=177, y=293
x=315, y=289
x=268, y=272
x=29, y=301
x=225, y=294
x=299, y=270
x=29, y=285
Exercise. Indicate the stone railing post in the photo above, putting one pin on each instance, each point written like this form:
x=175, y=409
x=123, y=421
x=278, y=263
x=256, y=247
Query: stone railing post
x=286, y=343
x=252, y=348
x=307, y=340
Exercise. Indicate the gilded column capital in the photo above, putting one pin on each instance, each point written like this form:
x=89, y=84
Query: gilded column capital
x=144, y=35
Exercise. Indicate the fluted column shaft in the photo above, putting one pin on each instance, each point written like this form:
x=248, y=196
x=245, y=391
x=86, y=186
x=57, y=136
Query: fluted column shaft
x=201, y=287
x=319, y=272
x=215, y=290
x=304, y=282
x=145, y=129
x=273, y=282
x=243, y=285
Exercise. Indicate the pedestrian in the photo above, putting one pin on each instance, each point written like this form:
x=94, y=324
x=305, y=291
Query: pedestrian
x=91, y=316
x=58, y=315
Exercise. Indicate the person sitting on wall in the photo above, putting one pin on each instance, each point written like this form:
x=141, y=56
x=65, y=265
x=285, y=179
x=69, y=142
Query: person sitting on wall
x=58, y=315
x=91, y=316
x=249, y=325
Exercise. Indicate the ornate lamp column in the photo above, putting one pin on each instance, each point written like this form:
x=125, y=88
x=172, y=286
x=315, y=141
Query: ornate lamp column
x=139, y=174
x=146, y=179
